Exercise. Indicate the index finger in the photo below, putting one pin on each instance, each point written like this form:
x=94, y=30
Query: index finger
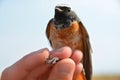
x=25, y=65
x=33, y=59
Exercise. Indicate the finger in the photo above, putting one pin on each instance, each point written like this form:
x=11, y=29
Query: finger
x=21, y=68
x=64, y=52
x=33, y=60
x=77, y=56
x=63, y=70
x=78, y=72
x=40, y=72
x=79, y=68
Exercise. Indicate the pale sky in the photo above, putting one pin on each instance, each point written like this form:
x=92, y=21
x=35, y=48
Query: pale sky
x=23, y=24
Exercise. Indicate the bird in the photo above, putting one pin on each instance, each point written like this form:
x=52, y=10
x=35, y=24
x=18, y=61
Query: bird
x=66, y=29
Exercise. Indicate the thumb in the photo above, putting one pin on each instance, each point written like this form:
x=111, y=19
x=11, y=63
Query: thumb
x=63, y=70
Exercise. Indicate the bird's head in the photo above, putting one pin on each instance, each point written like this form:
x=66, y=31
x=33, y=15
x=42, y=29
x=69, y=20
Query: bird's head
x=64, y=16
x=63, y=9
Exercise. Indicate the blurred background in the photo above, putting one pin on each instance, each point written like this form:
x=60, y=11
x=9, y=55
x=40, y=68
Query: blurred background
x=23, y=24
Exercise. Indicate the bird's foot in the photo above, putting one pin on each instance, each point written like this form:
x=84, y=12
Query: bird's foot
x=52, y=60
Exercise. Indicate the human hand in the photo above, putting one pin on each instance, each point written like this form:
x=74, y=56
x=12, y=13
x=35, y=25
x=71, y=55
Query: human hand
x=33, y=66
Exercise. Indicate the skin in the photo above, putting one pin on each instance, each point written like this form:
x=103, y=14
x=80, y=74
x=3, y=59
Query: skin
x=33, y=66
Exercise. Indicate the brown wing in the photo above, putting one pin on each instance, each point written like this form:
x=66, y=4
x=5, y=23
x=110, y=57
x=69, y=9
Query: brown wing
x=48, y=31
x=87, y=63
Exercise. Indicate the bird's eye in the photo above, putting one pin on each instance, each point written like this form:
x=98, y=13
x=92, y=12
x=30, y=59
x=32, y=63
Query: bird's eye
x=68, y=10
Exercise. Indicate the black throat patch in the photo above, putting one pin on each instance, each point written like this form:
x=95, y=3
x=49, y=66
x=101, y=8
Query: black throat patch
x=62, y=21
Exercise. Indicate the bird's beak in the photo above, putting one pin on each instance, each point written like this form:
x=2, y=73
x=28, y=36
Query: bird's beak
x=58, y=10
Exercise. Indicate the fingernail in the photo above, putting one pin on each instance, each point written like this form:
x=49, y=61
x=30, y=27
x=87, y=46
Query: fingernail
x=57, y=51
x=60, y=50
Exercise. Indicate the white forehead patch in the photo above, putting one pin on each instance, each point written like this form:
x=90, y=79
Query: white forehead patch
x=62, y=5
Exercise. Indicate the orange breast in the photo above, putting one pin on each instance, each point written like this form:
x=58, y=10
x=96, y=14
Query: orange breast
x=66, y=37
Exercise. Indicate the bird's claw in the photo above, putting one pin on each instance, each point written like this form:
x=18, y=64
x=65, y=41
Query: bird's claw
x=52, y=60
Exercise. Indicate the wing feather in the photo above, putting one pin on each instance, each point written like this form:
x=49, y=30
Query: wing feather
x=87, y=62
x=48, y=31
